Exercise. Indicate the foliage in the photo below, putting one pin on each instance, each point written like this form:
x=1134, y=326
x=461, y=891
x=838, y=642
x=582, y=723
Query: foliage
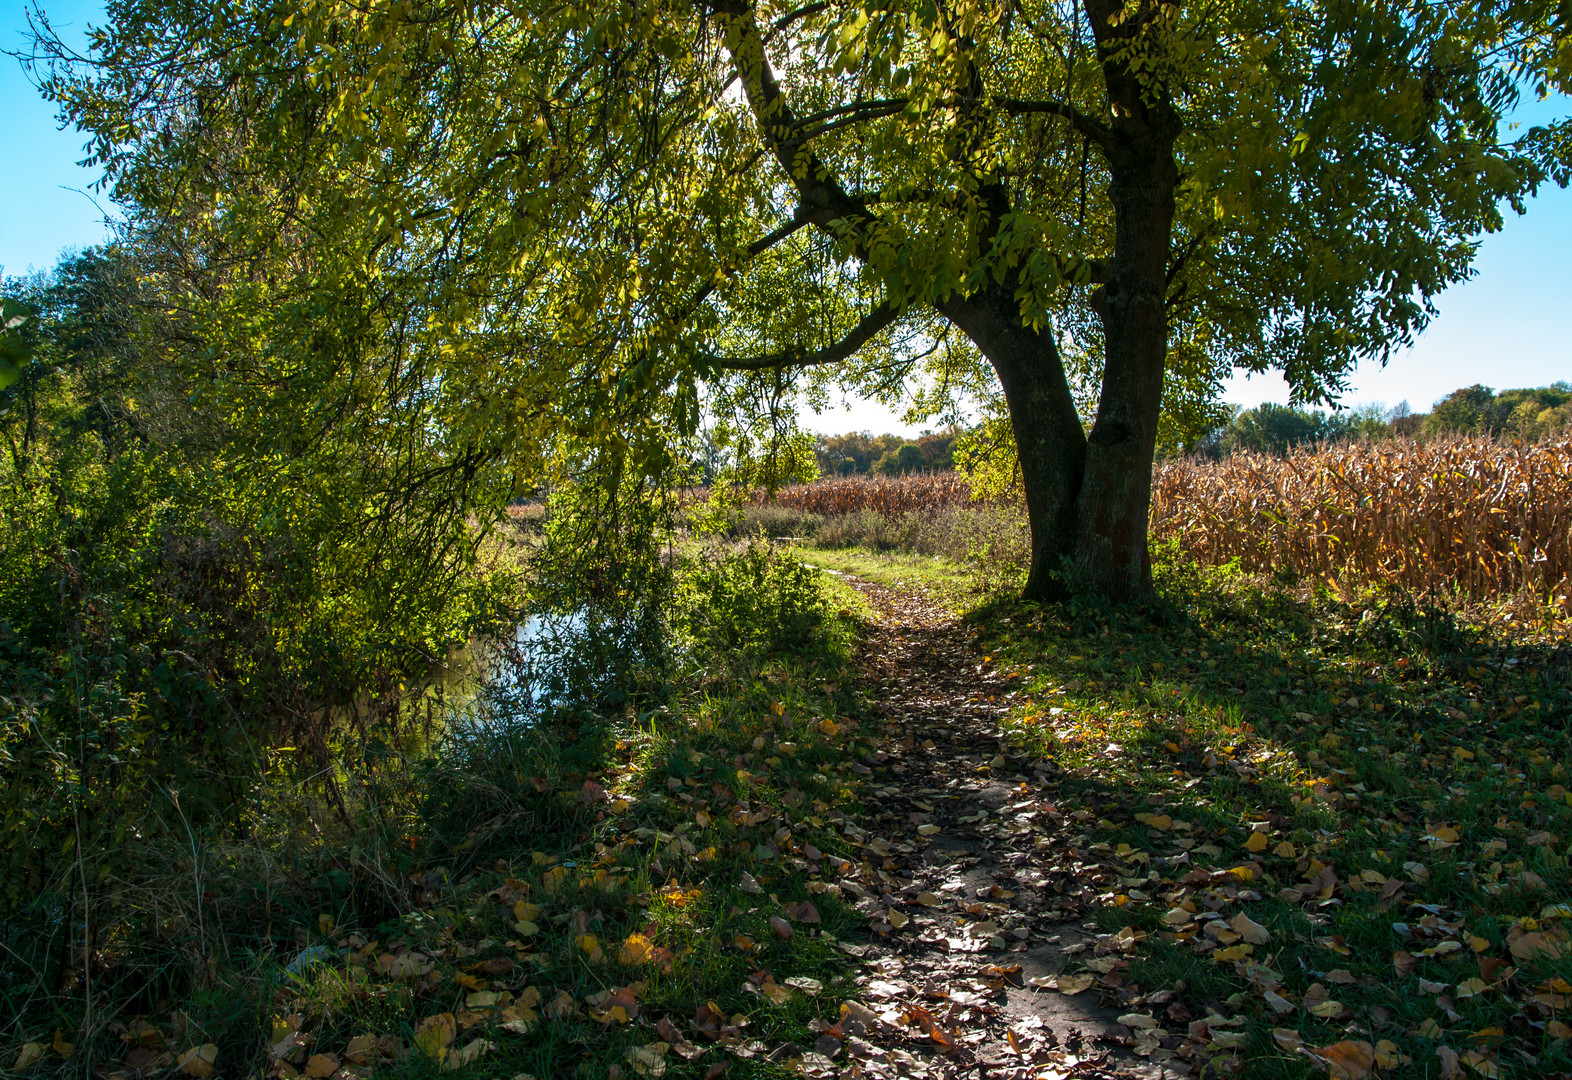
x=1471, y=517
x=536, y=896
x=854, y=452
x=906, y=458
x=561, y=220
x=1529, y=414
x=754, y=601
x=891, y=496
x=1277, y=429
x=188, y=615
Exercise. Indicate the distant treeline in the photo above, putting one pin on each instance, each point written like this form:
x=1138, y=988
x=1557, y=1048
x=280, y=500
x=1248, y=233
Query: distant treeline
x=883, y=455
x=1528, y=414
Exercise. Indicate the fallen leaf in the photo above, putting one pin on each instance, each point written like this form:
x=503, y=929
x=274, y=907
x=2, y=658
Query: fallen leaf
x=321, y=1065
x=198, y=1061
x=1347, y=1060
x=30, y=1055
x=637, y=949
x=1257, y=842
x=434, y=1034
x=1250, y=930
x=781, y=927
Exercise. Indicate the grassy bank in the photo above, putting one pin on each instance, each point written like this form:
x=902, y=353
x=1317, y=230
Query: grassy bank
x=636, y=894
x=1343, y=823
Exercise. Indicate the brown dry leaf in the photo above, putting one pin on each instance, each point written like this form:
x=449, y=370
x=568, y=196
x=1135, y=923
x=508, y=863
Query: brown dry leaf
x=321, y=1065
x=1535, y=945
x=1450, y=1066
x=1287, y=1038
x=781, y=927
x=928, y=899
x=803, y=912
x=1249, y=929
x=457, y=1059
x=1347, y=1060
x=198, y=1061
x=561, y=1006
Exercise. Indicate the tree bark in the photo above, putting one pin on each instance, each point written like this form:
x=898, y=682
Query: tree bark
x=1048, y=437
x=1111, y=555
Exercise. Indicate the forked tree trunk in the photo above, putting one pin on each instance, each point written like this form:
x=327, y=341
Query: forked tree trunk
x=1088, y=497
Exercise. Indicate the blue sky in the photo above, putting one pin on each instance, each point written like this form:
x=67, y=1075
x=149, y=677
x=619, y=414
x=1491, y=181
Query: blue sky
x=1507, y=327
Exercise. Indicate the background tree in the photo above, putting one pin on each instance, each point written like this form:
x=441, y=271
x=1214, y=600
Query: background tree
x=587, y=212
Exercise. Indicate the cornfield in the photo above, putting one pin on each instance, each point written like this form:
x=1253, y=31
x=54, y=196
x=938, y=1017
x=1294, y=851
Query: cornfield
x=1475, y=516
x=891, y=496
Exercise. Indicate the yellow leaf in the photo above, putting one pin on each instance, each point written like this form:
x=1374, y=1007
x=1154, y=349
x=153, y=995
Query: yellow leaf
x=636, y=950
x=434, y=1033
x=457, y=1059
x=927, y=830
x=198, y=1061
x=30, y=1055
x=1257, y=842
x=1285, y=850
x=1161, y=822
x=62, y=1047
x=325, y=923
x=928, y=899
x=898, y=919
x=524, y=911
x=829, y=727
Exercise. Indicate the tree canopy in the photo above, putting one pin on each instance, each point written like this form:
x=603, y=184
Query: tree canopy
x=581, y=225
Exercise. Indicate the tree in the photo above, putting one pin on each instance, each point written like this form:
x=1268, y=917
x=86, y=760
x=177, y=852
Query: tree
x=906, y=458
x=600, y=213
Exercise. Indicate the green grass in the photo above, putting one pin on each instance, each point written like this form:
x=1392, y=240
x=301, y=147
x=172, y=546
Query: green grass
x=1423, y=761
x=930, y=576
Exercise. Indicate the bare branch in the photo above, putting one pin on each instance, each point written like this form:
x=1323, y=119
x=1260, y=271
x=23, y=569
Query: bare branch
x=876, y=320
x=1087, y=126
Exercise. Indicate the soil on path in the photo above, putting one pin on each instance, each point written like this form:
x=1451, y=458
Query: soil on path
x=981, y=921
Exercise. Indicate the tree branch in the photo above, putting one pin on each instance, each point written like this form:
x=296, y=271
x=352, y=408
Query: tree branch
x=1082, y=123
x=865, y=331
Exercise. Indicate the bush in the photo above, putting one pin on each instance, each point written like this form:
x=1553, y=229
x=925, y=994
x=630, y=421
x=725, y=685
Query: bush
x=754, y=601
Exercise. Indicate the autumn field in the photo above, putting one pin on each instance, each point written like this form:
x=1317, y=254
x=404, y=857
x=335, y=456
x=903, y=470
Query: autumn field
x=1459, y=520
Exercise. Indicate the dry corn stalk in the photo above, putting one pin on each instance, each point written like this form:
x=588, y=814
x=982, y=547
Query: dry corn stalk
x=1485, y=518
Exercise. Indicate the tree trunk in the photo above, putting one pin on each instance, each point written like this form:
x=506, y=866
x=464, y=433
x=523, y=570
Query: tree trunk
x=1048, y=436
x=1111, y=557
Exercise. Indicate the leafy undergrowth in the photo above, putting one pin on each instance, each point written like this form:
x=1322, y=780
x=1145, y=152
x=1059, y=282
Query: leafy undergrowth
x=640, y=896
x=1342, y=826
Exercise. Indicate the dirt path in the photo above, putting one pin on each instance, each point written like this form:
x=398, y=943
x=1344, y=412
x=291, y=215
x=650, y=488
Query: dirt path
x=986, y=883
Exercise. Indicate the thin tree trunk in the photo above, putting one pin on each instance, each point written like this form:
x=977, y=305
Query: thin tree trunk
x=1048, y=436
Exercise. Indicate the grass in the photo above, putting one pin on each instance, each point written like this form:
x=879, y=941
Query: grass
x=933, y=576
x=1379, y=790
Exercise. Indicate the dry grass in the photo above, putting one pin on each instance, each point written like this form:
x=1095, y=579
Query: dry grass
x=891, y=496
x=1474, y=517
